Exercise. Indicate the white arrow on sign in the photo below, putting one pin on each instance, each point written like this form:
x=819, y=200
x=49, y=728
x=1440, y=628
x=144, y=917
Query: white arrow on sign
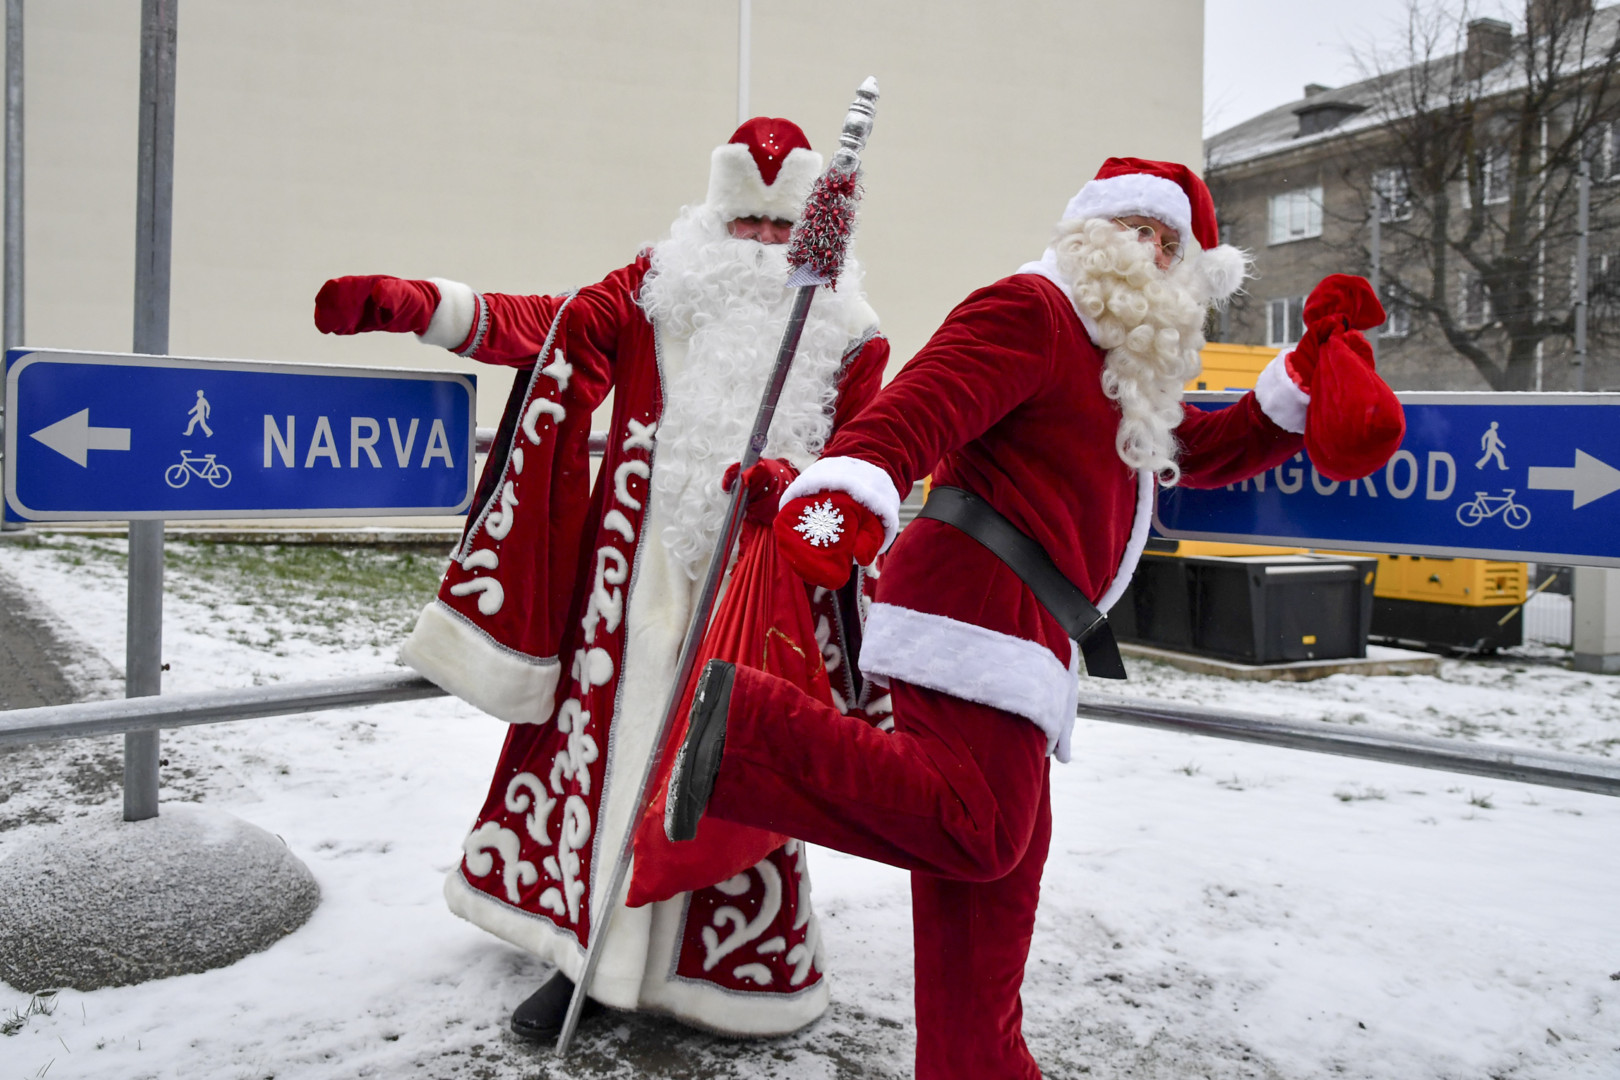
x=74, y=438
x=1590, y=479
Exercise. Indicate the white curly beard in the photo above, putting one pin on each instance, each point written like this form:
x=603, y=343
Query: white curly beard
x=1150, y=322
x=727, y=301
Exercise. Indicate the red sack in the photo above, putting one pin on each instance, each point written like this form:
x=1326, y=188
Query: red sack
x=763, y=622
x=1354, y=422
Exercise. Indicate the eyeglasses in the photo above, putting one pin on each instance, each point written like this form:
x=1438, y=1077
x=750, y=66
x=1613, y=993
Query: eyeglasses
x=1149, y=235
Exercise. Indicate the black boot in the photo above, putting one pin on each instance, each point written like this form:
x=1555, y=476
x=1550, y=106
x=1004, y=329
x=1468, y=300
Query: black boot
x=691, y=780
x=541, y=1015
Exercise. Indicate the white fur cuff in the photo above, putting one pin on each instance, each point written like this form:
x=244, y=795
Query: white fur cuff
x=860, y=480
x=466, y=662
x=453, y=318
x=1279, y=397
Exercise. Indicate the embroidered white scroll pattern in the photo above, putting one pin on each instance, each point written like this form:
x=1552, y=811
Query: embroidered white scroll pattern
x=641, y=437
x=490, y=836
x=606, y=604
x=621, y=481
x=539, y=407
x=592, y=667
x=614, y=521
x=832, y=658
x=518, y=800
x=564, y=866
x=499, y=522
x=743, y=929
x=491, y=594
x=560, y=370
x=807, y=952
x=573, y=762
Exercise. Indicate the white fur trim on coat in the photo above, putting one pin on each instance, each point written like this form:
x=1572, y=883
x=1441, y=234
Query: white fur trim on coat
x=453, y=318
x=1135, y=194
x=1146, y=486
x=975, y=664
x=736, y=188
x=1280, y=397
x=860, y=480
x=464, y=661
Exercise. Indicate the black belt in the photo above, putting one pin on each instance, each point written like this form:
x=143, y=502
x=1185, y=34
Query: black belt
x=1061, y=597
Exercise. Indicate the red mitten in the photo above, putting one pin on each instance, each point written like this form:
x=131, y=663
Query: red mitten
x=356, y=305
x=763, y=484
x=1354, y=422
x=821, y=536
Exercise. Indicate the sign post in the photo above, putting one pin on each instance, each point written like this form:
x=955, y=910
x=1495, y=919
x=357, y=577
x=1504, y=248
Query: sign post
x=1518, y=476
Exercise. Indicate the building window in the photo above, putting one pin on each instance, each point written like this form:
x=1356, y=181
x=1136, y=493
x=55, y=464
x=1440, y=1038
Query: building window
x=1397, y=316
x=1600, y=149
x=1296, y=215
x=1475, y=305
x=1286, y=321
x=1394, y=194
x=1495, y=175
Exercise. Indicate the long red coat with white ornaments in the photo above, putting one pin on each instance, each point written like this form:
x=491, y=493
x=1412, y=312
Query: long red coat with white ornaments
x=560, y=614
x=1006, y=401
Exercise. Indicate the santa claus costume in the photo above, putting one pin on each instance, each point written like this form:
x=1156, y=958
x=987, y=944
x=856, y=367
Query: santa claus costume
x=1054, y=396
x=565, y=604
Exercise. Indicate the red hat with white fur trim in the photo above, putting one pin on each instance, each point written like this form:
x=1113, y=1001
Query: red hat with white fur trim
x=1173, y=194
x=765, y=170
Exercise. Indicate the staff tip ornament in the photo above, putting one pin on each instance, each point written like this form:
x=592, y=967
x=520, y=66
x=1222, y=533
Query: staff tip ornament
x=820, y=239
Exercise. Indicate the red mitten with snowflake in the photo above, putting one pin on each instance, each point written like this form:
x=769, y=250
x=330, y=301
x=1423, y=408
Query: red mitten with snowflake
x=763, y=485
x=1354, y=422
x=823, y=535
x=357, y=305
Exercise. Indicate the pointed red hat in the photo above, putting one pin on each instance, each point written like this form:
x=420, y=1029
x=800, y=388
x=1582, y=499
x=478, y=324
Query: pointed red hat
x=766, y=169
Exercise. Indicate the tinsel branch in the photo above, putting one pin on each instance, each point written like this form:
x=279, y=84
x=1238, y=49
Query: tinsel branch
x=821, y=237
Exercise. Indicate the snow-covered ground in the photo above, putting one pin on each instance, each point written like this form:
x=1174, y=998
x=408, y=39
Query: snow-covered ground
x=1211, y=909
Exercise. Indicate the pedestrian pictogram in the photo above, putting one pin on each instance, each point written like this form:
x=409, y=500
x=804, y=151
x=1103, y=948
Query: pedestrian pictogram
x=1491, y=442
x=100, y=436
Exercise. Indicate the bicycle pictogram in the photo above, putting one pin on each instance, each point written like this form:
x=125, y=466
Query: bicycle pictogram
x=202, y=466
x=1488, y=506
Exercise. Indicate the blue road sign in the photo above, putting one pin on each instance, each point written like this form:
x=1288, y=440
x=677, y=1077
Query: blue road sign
x=102, y=436
x=1518, y=476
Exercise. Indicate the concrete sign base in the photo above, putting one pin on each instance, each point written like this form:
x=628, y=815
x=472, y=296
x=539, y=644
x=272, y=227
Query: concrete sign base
x=100, y=902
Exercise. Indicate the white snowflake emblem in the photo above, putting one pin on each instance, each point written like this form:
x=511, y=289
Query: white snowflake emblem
x=821, y=524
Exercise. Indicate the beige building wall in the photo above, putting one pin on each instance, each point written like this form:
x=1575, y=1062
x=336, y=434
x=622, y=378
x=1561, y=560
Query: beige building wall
x=533, y=145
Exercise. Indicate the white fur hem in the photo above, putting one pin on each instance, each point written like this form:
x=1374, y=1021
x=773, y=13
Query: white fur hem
x=975, y=664
x=860, y=480
x=1279, y=397
x=1146, y=486
x=466, y=662
x=736, y=188
x=1135, y=194
x=453, y=318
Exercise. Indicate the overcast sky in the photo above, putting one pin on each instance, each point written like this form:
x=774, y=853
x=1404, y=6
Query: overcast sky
x=1259, y=54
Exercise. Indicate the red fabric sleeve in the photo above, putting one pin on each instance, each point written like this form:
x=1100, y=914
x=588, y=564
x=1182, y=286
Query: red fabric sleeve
x=1231, y=444
x=518, y=325
x=861, y=379
x=991, y=354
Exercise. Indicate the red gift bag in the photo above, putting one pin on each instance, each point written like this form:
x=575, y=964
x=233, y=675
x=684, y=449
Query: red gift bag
x=763, y=622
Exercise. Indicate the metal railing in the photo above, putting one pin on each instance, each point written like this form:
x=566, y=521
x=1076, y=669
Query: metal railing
x=1596, y=775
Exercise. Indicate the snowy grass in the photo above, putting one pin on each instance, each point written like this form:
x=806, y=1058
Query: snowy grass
x=1210, y=908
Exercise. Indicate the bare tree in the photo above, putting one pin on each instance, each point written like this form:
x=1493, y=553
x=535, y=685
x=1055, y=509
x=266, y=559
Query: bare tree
x=1475, y=162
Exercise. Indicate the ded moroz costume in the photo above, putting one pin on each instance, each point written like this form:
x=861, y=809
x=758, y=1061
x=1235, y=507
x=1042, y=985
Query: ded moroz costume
x=564, y=606
x=1052, y=399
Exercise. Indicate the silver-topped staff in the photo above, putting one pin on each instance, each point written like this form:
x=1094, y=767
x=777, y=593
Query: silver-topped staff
x=816, y=252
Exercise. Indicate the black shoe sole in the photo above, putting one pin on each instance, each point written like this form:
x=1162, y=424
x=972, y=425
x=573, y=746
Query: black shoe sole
x=691, y=780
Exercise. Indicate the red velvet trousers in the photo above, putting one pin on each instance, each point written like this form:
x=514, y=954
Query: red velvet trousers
x=958, y=795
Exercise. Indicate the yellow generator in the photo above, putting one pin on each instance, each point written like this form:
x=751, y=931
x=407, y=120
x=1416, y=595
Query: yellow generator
x=1449, y=605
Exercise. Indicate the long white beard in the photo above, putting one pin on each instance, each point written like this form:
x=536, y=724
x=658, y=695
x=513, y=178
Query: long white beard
x=727, y=301
x=1149, y=321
